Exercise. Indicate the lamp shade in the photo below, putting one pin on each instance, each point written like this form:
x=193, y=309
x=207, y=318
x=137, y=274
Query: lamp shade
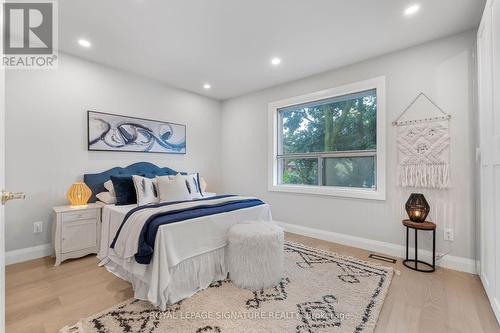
x=79, y=194
x=417, y=207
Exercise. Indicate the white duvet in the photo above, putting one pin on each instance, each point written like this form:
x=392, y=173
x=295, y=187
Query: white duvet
x=127, y=244
x=188, y=255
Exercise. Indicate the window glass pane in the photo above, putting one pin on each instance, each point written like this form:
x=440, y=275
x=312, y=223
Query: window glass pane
x=303, y=171
x=349, y=172
x=336, y=124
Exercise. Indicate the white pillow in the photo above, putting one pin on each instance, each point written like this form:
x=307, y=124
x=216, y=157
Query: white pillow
x=146, y=190
x=107, y=198
x=192, y=184
x=172, y=189
x=109, y=186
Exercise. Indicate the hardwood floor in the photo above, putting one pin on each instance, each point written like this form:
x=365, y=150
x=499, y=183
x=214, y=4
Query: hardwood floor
x=44, y=298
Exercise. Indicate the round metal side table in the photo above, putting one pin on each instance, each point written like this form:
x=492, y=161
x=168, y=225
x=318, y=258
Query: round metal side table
x=414, y=263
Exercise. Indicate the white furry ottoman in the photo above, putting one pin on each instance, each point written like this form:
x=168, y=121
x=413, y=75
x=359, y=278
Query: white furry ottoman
x=255, y=254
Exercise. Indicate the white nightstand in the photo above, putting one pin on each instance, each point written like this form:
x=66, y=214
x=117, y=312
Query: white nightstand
x=76, y=231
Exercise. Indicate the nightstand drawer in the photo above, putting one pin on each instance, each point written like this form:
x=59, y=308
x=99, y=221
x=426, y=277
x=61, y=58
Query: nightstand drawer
x=78, y=235
x=79, y=215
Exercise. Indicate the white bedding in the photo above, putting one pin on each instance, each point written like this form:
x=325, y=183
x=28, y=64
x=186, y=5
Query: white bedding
x=188, y=255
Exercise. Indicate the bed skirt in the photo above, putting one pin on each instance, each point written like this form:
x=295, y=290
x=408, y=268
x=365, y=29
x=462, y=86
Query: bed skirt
x=182, y=281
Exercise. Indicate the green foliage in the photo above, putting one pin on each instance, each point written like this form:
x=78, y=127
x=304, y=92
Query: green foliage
x=347, y=125
x=300, y=171
x=341, y=126
x=350, y=172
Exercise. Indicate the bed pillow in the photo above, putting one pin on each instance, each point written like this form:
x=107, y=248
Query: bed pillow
x=172, y=189
x=146, y=190
x=193, y=186
x=106, y=197
x=109, y=187
x=124, y=190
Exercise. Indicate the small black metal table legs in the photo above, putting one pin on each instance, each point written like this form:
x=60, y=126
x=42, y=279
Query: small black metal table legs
x=414, y=263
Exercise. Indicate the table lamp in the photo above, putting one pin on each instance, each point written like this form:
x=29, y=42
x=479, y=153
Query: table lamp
x=417, y=207
x=79, y=194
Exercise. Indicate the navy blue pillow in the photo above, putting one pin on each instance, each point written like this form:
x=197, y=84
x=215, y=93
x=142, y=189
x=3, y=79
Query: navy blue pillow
x=124, y=189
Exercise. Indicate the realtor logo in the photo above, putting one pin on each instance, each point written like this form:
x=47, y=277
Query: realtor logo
x=29, y=34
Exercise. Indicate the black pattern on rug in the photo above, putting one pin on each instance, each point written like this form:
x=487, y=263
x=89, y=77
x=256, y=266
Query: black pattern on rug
x=353, y=269
x=319, y=305
x=209, y=329
x=277, y=293
x=309, y=259
x=319, y=314
x=352, y=273
x=218, y=284
x=144, y=321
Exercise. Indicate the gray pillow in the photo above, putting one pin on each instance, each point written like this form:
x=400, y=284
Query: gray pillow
x=107, y=198
x=172, y=189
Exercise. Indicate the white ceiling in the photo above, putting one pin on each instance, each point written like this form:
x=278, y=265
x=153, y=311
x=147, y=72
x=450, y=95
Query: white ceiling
x=229, y=43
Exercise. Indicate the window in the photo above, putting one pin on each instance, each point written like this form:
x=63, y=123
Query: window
x=330, y=142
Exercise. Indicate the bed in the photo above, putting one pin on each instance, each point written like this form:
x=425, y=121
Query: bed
x=188, y=255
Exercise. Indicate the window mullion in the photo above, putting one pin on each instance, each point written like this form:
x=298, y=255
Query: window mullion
x=353, y=153
x=320, y=171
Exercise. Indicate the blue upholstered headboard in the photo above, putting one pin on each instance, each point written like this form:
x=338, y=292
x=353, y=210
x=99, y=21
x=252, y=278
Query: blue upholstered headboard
x=96, y=180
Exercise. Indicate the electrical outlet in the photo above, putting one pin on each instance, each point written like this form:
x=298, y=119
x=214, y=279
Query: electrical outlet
x=448, y=234
x=37, y=227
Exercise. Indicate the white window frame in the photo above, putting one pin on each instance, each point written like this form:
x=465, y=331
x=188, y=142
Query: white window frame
x=273, y=136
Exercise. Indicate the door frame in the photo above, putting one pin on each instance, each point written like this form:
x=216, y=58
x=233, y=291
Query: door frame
x=2, y=180
x=2, y=185
x=488, y=104
x=2, y=210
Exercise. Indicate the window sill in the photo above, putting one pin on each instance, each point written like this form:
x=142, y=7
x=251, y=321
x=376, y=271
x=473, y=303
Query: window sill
x=344, y=192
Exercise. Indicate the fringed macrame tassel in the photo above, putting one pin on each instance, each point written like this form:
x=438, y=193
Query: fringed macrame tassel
x=424, y=175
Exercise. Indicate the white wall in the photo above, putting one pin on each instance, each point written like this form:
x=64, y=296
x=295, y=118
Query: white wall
x=46, y=140
x=442, y=69
x=46, y=131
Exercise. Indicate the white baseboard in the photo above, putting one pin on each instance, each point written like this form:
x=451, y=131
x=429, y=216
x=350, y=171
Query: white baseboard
x=29, y=253
x=451, y=262
x=395, y=250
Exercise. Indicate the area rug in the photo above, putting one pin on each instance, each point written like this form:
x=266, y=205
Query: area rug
x=320, y=292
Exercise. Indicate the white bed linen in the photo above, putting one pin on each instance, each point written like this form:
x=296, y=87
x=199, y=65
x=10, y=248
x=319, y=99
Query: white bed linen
x=112, y=217
x=188, y=255
x=206, y=236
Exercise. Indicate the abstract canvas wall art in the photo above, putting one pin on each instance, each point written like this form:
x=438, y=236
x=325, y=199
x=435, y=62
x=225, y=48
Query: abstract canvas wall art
x=110, y=132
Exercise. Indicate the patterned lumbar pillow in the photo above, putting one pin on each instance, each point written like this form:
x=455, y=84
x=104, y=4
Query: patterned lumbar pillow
x=146, y=189
x=192, y=182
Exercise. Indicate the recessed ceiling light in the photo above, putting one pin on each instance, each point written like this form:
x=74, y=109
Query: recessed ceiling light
x=275, y=61
x=207, y=86
x=84, y=43
x=411, y=10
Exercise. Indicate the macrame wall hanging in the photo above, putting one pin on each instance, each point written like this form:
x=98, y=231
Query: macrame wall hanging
x=424, y=149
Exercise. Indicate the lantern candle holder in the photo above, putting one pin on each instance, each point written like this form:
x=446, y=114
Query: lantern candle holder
x=417, y=207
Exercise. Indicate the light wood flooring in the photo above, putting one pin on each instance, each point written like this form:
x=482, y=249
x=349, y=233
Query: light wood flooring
x=44, y=298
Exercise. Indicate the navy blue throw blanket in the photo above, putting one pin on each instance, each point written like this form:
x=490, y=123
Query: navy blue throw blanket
x=148, y=233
